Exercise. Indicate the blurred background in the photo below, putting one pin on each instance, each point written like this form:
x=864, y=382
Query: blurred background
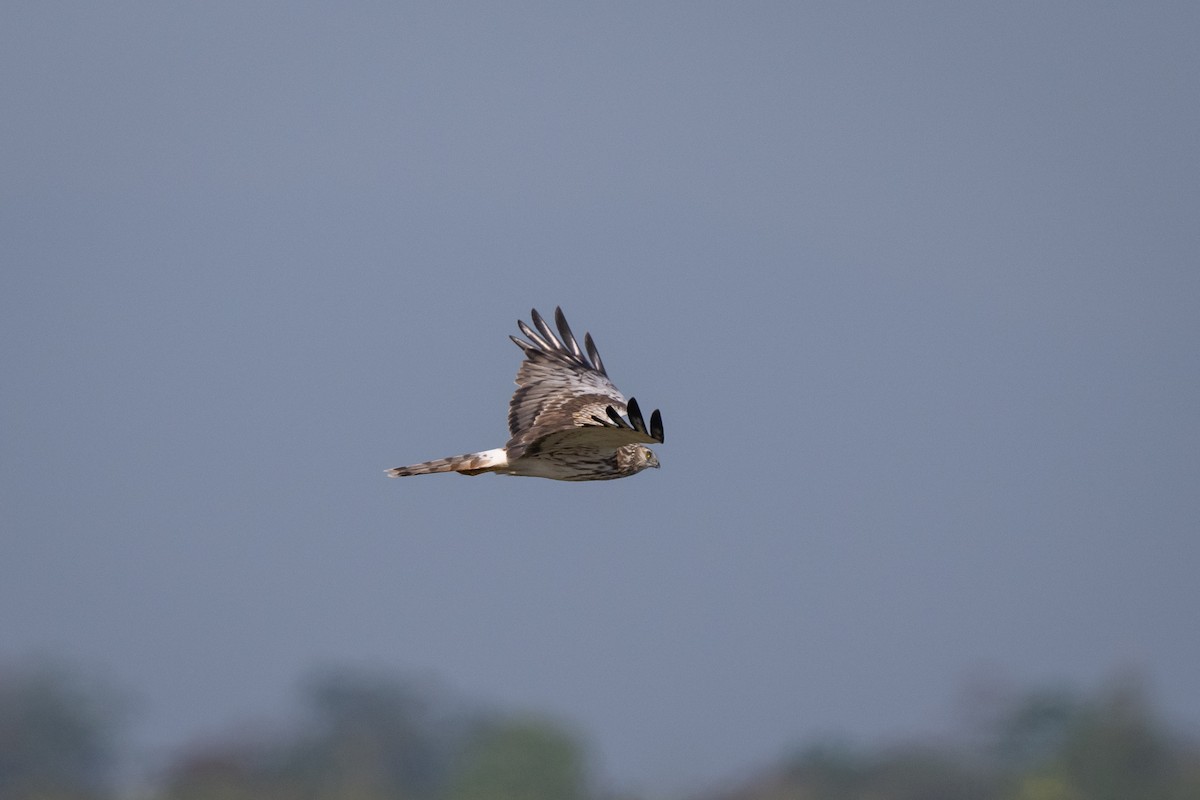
x=915, y=288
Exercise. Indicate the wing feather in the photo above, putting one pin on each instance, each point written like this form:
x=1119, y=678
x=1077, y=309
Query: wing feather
x=546, y=330
x=562, y=387
x=568, y=338
x=594, y=354
x=533, y=337
x=593, y=436
x=634, y=427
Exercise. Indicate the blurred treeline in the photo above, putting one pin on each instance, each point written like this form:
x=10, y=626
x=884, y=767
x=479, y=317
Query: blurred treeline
x=1039, y=745
x=360, y=736
x=370, y=736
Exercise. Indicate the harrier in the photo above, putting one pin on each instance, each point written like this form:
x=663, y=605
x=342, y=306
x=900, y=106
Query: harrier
x=565, y=419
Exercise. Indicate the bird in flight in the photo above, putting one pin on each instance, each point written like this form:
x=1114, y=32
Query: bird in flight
x=566, y=421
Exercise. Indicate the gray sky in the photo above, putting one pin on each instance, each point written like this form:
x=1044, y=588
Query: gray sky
x=916, y=288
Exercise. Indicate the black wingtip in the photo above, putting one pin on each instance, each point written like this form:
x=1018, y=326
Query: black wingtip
x=635, y=416
x=546, y=330
x=636, y=421
x=616, y=418
x=594, y=354
x=568, y=337
x=538, y=341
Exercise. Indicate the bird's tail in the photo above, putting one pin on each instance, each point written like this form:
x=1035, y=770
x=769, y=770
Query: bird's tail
x=469, y=464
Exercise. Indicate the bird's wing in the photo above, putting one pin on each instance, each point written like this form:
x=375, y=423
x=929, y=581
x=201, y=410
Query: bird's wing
x=561, y=389
x=604, y=433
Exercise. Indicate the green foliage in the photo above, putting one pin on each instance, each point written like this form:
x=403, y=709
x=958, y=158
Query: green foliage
x=836, y=773
x=1049, y=745
x=829, y=770
x=1045, y=786
x=525, y=760
x=374, y=737
x=1116, y=750
x=57, y=733
x=365, y=737
x=1034, y=730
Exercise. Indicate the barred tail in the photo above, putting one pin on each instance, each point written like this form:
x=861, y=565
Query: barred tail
x=469, y=464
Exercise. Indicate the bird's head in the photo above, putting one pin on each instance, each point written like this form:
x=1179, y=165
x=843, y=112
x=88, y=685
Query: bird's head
x=649, y=459
x=635, y=458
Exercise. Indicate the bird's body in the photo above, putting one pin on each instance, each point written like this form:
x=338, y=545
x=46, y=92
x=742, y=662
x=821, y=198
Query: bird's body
x=566, y=421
